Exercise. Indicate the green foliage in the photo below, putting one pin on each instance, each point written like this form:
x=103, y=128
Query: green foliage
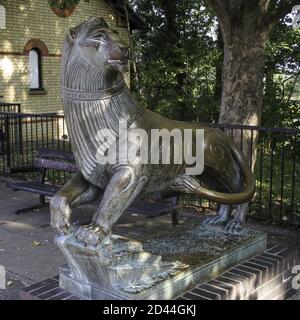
x=62, y=4
x=281, y=105
x=179, y=64
x=177, y=59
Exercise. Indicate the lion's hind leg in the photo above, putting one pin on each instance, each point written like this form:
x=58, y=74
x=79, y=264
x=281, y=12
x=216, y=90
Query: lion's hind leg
x=91, y=194
x=222, y=217
x=237, y=223
x=188, y=184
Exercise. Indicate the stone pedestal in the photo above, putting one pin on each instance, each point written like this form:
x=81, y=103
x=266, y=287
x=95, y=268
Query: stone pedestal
x=158, y=267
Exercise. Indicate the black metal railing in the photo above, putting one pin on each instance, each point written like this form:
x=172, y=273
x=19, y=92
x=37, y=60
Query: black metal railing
x=276, y=167
x=25, y=134
x=11, y=108
x=276, y=154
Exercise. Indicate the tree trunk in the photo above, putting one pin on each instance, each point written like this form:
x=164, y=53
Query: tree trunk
x=242, y=85
x=218, y=87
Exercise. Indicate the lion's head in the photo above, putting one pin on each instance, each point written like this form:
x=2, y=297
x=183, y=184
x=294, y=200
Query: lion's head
x=98, y=44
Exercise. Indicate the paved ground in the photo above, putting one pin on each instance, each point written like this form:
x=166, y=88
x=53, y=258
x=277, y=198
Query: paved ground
x=27, y=249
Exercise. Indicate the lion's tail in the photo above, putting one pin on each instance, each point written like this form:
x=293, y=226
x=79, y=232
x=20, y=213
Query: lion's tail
x=188, y=184
x=233, y=198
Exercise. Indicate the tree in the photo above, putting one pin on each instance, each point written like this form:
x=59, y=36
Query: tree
x=281, y=106
x=245, y=26
x=180, y=54
x=176, y=57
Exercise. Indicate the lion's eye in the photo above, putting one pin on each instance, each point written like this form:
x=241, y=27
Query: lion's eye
x=95, y=39
x=97, y=34
x=102, y=40
x=100, y=37
x=91, y=42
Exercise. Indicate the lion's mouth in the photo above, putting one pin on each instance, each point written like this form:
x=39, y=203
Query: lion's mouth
x=121, y=62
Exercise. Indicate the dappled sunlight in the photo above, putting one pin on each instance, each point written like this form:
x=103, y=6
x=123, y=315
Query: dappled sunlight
x=57, y=51
x=248, y=287
x=126, y=225
x=7, y=68
x=18, y=226
x=188, y=280
x=263, y=293
x=11, y=93
x=27, y=31
x=24, y=95
x=253, y=119
x=22, y=67
x=168, y=289
x=7, y=46
x=25, y=80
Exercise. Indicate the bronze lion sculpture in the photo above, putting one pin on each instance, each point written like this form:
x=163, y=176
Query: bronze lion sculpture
x=95, y=97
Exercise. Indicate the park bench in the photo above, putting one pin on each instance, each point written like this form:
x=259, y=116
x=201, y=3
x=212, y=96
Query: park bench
x=46, y=159
x=64, y=161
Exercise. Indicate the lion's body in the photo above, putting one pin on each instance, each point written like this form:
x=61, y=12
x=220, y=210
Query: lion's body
x=96, y=98
x=86, y=119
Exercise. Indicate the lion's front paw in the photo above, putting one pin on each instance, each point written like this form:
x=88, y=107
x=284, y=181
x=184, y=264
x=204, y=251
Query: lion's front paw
x=90, y=234
x=60, y=214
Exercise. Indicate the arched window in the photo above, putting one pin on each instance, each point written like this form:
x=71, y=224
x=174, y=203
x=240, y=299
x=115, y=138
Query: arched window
x=35, y=69
x=36, y=50
x=2, y=18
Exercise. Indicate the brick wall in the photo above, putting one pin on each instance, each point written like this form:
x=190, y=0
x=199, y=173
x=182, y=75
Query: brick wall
x=267, y=276
x=27, y=19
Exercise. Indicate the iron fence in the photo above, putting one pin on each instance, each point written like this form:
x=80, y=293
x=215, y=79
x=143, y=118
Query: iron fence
x=277, y=171
x=276, y=167
x=25, y=134
x=12, y=108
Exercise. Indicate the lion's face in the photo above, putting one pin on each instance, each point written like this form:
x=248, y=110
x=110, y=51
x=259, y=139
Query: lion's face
x=100, y=45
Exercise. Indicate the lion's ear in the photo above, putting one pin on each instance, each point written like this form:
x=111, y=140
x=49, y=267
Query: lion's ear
x=72, y=34
x=96, y=21
x=103, y=23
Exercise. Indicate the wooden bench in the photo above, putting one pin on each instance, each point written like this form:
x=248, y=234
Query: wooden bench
x=46, y=159
x=152, y=209
x=64, y=161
